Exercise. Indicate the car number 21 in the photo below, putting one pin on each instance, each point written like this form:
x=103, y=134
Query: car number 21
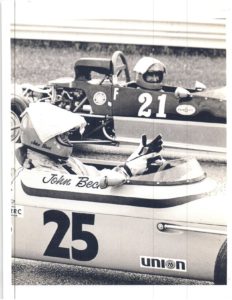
x=63, y=223
x=146, y=100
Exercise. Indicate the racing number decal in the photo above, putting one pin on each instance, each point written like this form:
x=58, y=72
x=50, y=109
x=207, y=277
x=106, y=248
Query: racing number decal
x=78, y=234
x=146, y=99
x=162, y=101
x=63, y=223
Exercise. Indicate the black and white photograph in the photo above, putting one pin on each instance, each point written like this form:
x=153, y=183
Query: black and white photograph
x=118, y=148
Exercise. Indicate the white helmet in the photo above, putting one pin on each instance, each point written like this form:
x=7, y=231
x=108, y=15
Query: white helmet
x=149, y=73
x=45, y=127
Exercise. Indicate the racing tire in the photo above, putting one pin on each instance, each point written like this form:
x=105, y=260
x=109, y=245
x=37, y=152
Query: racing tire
x=220, y=270
x=18, y=105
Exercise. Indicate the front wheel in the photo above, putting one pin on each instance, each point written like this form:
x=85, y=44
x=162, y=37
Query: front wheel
x=220, y=271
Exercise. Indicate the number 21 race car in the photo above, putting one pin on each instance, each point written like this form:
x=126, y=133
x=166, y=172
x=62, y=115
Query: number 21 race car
x=116, y=107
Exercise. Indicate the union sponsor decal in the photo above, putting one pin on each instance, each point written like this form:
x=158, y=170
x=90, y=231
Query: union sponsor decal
x=169, y=264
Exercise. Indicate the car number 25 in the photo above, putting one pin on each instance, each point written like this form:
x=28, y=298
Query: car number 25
x=63, y=223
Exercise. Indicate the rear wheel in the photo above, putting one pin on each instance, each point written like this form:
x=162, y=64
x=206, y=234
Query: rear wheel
x=15, y=127
x=220, y=271
x=18, y=105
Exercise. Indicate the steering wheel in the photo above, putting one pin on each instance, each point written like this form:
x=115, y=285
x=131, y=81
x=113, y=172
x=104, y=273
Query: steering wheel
x=120, y=64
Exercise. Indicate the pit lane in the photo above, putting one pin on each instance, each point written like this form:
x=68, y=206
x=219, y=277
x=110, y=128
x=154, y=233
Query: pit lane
x=27, y=272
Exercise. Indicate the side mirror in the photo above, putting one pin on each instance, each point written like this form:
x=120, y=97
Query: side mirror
x=199, y=86
x=182, y=93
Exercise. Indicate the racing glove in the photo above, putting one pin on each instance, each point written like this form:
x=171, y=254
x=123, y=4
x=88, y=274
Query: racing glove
x=145, y=158
x=144, y=148
x=144, y=163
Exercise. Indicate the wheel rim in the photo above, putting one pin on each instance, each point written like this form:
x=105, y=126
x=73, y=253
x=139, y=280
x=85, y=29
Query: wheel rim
x=15, y=127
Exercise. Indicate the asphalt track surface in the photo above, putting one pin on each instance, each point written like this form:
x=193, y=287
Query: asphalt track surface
x=27, y=272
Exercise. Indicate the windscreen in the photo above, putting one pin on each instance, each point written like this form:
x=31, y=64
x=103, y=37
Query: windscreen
x=178, y=171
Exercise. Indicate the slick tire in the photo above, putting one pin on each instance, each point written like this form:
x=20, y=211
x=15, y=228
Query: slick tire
x=18, y=105
x=220, y=270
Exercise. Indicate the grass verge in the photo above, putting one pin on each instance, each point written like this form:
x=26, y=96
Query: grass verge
x=37, y=62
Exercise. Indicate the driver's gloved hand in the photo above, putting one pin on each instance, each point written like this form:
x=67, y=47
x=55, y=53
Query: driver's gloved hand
x=142, y=164
x=144, y=148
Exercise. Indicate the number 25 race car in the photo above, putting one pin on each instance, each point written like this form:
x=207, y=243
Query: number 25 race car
x=116, y=107
x=164, y=223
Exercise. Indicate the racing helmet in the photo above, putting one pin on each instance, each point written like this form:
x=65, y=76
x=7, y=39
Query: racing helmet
x=45, y=136
x=149, y=73
x=58, y=146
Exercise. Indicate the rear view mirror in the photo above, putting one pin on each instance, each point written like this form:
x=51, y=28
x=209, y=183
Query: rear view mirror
x=199, y=86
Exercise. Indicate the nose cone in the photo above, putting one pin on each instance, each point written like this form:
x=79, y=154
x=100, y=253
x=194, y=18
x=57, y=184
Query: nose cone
x=207, y=211
x=219, y=94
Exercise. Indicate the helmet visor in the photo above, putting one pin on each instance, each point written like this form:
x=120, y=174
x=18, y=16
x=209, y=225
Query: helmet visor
x=63, y=139
x=153, y=77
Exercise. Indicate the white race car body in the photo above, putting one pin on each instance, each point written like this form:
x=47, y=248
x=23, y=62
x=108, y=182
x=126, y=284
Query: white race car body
x=147, y=225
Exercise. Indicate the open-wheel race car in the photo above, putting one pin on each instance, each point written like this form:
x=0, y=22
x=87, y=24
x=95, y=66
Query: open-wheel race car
x=164, y=223
x=115, y=106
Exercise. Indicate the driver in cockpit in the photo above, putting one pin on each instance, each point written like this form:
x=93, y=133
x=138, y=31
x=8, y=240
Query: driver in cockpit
x=149, y=73
x=45, y=146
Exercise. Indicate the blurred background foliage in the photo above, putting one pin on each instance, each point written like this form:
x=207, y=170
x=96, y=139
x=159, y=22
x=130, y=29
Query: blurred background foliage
x=38, y=61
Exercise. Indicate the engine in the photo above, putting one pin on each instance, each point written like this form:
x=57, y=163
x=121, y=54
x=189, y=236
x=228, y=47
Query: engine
x=71, y=99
